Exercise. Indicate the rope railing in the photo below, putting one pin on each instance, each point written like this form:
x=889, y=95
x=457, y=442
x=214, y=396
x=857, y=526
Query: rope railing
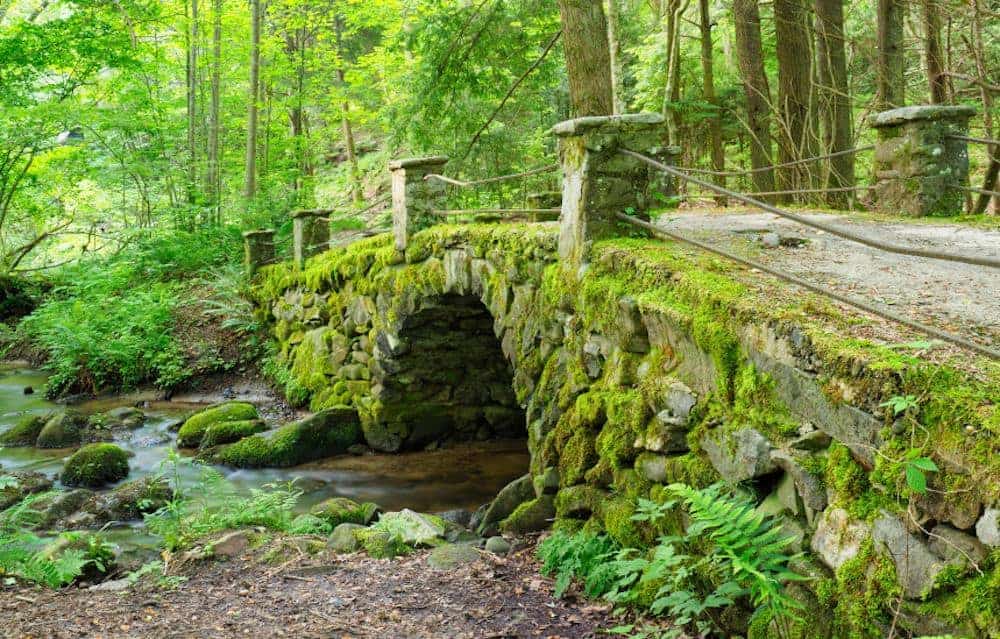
x=762, y=169
x=973, y=189
x=833, y=230
x=815, y=288
x=522, y=211
x=492, y=180
x=966, y=138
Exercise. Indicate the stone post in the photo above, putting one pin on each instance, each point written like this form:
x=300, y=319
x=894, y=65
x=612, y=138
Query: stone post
x=413, y=197
x=664, y=184
x=917, y=165
x=258, y=249
x=599, y=182
x=310, y=233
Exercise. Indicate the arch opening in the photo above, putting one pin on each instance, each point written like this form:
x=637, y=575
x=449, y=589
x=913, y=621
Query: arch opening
x=448, y=379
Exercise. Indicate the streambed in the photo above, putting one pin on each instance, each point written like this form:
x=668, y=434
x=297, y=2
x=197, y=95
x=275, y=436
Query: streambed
x=459, y=476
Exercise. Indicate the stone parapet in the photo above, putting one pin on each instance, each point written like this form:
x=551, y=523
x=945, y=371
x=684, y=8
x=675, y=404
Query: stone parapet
x=414, y=198
x=258, y=249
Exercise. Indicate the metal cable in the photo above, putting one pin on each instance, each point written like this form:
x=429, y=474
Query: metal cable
x=798, y=281
x=833, y=230
x=447, y=212
x=966, y=138
x=501, y=178
x=778, y=166
x=978, y=190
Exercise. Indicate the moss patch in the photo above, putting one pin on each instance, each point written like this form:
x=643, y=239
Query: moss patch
x=327, y=433
x=193, y=430
x=24, y=432
x=95, y=465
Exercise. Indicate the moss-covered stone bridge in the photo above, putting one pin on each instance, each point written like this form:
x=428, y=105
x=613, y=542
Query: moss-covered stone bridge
x=630, y=364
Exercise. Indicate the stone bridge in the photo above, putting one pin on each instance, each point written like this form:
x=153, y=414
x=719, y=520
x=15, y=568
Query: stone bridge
x=644, y=364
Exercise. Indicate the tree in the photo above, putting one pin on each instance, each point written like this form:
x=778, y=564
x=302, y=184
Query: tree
x=750, y=55
x=834, y=97
x=933, y=56
x=796, y=130
x=890, y=61
x=213, y=179
x=250, y=165
x=708, y=91
x=588, y=60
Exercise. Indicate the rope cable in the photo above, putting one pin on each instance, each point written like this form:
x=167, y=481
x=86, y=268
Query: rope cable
x=833, y=230
x=778, y=166
x=798, y=281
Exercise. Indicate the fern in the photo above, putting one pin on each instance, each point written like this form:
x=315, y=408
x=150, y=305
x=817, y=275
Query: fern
x=573, y=556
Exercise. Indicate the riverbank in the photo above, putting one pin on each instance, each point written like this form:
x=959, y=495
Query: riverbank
x=301, y=595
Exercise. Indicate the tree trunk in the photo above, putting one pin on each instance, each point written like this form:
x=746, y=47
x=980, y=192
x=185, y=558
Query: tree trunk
x=345, y=122
x=990, y=183
x=672, y=10
x=192, y=101
x=588, y=61
x=934, y=58
x=889, y=64
x=214, y=186
x=834, y=97
x=614, y=54
x=750, y=55
x=795, y=139
x=708, y=93
x=250, y=166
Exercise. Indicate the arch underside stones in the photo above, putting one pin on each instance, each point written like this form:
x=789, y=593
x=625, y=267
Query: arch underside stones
x=646, y=368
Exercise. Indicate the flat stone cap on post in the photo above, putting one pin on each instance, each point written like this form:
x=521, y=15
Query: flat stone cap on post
x=607, y=124
x=309, y=213
x=257, y=233
x=432, y=160
x=925, y=113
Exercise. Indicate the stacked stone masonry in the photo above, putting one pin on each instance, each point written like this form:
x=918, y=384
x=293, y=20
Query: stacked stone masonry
x=650, y=367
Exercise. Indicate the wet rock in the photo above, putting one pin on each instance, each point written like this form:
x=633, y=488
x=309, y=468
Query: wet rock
x=28, y=390
x=415, y=529
x=459, y=517
x=340, y=510
x=58, y=506
x=343, y=539
x=24, y=433
x=838, y=538
x=95, y=465
x=451, y=556
x=956, y=547
x=230, y=545
x=497, y=545
x=123, y=417
x=917, y=567
x=531, y=516
x=129, y=501
x=62, y=430
x=228, y=432
x=15, y=486
x=506, y=502
x=738, y=455
x=329, y=432
x=193, y=430
x=988, y=527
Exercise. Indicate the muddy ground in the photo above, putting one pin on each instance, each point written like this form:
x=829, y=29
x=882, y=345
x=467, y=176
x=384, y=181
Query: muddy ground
x=323, y=595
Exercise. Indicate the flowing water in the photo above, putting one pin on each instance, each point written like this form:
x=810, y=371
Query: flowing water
x=460, y=476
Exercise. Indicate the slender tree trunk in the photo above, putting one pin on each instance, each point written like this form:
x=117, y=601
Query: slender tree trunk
x=250, y=166
x=795, y=140
x=750, y=55
x=614, y=53
x=990, y=183
x=889, y=64
x=708, y=92
x=357, y=194
x=214, y=187
x=934, y=58
x=192, y=101
x=672, y=12
x=588, y=61
x=834, y=96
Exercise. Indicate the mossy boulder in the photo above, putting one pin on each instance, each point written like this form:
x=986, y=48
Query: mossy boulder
x=381, y=544
x=24, y=432
x=194, y=428
x=341, y=510
x=54, y=509
x=131, y=500
x=327, y=433
x=451, y=556
x=343, y=538
x=15, y=486
x=229, y=432
x=121, y=418
x=95, y=465
x=531, y=516
x=62, y=430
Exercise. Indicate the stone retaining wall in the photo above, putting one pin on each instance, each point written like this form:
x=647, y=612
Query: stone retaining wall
x=649, y=367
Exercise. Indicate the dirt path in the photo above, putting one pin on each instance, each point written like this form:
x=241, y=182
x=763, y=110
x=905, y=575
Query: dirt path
x=317, y=596
x=957, y=297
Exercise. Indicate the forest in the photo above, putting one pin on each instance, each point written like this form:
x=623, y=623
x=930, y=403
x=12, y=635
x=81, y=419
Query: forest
x=139, y=141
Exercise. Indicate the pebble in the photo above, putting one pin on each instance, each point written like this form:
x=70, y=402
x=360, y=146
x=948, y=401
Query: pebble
x=497, y=545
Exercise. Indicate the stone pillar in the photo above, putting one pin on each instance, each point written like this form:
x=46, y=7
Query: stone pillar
x=664, y=184
x=917, y=165
x=413, y=197
x=599, y=182
x=310, y=233
x=258, y=249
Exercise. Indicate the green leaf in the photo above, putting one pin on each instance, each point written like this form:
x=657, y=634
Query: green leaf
x=916, y=479
x=925, y=464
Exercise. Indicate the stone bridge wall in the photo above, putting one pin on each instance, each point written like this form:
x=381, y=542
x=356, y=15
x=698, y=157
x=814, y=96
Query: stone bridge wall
x=653, y=366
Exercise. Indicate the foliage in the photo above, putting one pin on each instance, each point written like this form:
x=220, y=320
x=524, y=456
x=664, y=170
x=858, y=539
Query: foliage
x=728, y=553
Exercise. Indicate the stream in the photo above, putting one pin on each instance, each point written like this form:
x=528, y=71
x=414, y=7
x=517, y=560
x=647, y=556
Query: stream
x=459, y=476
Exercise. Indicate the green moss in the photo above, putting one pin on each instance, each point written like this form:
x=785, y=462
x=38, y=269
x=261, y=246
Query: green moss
x=340, y=510
x=866, y=594
x=24, y=432
x=616, y=515
x=531, y=516
x=380, y=544
x=95, y=465
x=228, y=432
x=193, y=430
x=576, y=457
x=975, y=602
x=62, y=430
x=327, y=433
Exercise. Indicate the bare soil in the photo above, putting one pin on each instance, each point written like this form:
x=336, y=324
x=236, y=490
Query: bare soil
x=320, y=595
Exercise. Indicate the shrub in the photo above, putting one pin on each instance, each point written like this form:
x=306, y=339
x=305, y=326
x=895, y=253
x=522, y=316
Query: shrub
x=95, y=465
